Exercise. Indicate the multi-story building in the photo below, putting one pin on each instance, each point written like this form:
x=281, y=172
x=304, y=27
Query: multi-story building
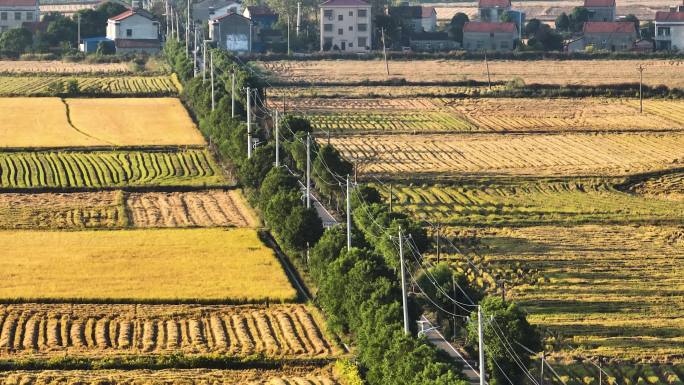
x=491, y=11
x=480, y=36
x=601, y=10
x=135, y=30
x=609, y=35
x=346, y=25
x=669, y=29
x=15, y=12
x=232, y=32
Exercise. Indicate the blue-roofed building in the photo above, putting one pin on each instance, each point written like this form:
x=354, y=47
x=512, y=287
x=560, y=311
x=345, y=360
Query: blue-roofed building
x=89, y=45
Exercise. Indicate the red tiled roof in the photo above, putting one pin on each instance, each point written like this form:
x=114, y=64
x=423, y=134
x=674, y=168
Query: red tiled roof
x=494, y=3
x=345, y=3
x=130, y=13
x=599, y=3
x=669, y=16
x=609, y=27
x=18, y=3
x=426, y=12
x=137, y=43
x=489, y=27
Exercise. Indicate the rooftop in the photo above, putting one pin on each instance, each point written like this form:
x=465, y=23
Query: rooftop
x=599, y=3
x=18, y=3
x=494, y=3
x=131, y=12
x=489, y=27
x=229, y=14
x=670, y=16
x=609, y=27
x=260, y=10
x=345, y=3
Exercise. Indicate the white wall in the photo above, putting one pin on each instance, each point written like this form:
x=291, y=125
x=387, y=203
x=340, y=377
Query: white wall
x=11, y=21
x=677, y=35
x=349, y=38
x=142, y=28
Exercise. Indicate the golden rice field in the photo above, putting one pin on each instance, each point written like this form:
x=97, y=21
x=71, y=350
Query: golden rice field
x=97, y=331
x=669, y=186
x=377, y=91
x=54, y=122
x=493, y=154
x=416, y=121
x=105, y=85
x=607, y=290
x=670, y=109
x=288, y=376
x=58, y=67
x=561, y=72
x=53, y=169
x=530, y=202
x=192, y=265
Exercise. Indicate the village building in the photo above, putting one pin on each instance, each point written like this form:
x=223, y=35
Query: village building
x=609, y=35
x=669, y=29
x=263, y=19
x=232, y=32
x=480, y=36
x=208, y=9
x=418, y=18
x=491, y=11
x=601, y=10
x=13, y=13
x=135, y=30
x=346, y=25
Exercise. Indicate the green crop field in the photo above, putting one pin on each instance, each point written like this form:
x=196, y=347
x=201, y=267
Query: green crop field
x=107, y=85
x=416, y=121
x=52, y=169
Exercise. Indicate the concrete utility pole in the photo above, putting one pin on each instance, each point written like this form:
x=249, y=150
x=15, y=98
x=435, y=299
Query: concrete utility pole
x=288, y=34
x=641, y=85
x=166, y=18
x=438, y=248
x=78, y=34
x=489, y=79
x=249, y=123
x=211, y=64
x=384, y=50
x=308, y=171
x=277, y=139
x=232, y=93
x=194, y=54
x=299, y=16
x=453, y=288
x=404, y=298
x=204, y=60
x=480, y=334
x=177, y=26
x=187, y=33
x=348, y=215
x=541, y=370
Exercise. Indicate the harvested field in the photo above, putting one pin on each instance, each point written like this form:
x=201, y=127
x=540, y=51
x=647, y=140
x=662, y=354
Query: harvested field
x=43, y=331
x=62, y=211
x=107, y=169
x=519, y=202
x=197, y=208
x=406, y=121
x=669, y=187
x=364, y=92
x=672, y=110
x=105, y=85
x=290, y=376
x=58, y=67
x=609, y=291
x=54, y=122
x=170, y=265
x=493, y=154
x=579, y=72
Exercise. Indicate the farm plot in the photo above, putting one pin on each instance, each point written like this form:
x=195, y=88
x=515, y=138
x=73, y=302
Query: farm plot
x=493, y=154
x=514, y=203
x=289, y=376
x=170, y=265
x=406, y=121
x=669, y=109
x=54, y=122
x=610, y=291
x=62, y=211
x=561, y=72
x=104, y=85
x=33, y=170
x=98, y=331
x=364, y=92
x=669, y=186
x=58, y=67
x=196, y=208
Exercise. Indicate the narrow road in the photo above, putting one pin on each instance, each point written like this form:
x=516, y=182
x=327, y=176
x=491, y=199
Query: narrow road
x=436, y=338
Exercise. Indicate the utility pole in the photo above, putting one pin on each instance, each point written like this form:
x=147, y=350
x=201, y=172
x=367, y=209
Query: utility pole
x=232, y=94
x=438, y=248
x=299, y=16
x=177, y=26
x=249, y=123
x=503, y=290
x=404, y=298
x=480, y=334
x=277, y=139
x=288, y=35
x=384, y=50
x=390, y=198
x=211, y=64
x=204, y=60
x=194, y=54
x=348, y=216
x=166, y=18
x=187, y=33
x=78, y=34
x=489, y=79
x=453, y=288
x=308, y=171
x=641, y=85
x=541, y=370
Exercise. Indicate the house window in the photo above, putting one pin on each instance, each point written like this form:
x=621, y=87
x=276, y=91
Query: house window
x=340, y=31
x=3, y=15
x=362, y=42
x=351, y=45
x=340, y=17
x=327, y=28
x=663, y=31
x=29, y=16
x=351, y=14
x=361, y=13
x=17, y=15
x=129, y=32
x=362, y=27
x=328, y=13
x=351, y=28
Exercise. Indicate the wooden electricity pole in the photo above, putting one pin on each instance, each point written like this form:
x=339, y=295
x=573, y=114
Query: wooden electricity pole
x=384, y=50
x=641, y=85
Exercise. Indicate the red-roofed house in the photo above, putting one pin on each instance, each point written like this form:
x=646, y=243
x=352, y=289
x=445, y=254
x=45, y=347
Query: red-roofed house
x=601, y=10
x=669, y=29
x=492, y=10
x=479, y=36
x=134, y=30
x=609, y=35
x=15, y=12
x=346, y=25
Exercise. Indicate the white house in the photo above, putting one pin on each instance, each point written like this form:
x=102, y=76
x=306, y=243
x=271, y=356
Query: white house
x=15, y=12
x=346, y=25
x=491, y=11
x=669, y=29
x=134, y=30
